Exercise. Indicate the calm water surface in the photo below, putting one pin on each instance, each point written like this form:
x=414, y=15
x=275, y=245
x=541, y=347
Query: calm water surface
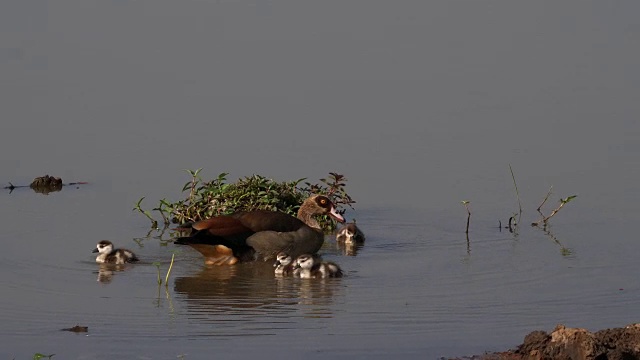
x=420, y=104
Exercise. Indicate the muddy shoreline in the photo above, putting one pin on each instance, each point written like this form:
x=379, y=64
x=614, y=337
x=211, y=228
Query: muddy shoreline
x=565, y=343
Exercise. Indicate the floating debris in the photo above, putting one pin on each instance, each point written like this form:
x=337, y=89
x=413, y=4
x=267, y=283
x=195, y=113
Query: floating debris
x=46, y=184
x=77, y=329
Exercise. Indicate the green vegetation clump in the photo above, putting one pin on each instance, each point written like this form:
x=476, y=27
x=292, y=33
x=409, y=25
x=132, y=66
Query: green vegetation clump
x=38, y=356
x=206, y=199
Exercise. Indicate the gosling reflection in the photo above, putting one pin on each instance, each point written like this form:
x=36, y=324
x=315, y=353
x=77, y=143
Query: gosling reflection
x=349, y=249
x=107, y=271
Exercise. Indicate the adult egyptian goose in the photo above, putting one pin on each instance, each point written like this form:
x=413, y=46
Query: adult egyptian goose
x=260, y=234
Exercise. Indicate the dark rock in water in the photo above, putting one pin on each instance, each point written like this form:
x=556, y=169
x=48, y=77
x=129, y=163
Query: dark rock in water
x=77, y=329
x=46, y=184
x=575, y=344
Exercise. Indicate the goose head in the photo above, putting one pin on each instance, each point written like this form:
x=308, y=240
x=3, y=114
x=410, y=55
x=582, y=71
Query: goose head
x=318, y=205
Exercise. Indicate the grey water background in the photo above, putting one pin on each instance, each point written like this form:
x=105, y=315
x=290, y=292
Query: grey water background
x=420, y=104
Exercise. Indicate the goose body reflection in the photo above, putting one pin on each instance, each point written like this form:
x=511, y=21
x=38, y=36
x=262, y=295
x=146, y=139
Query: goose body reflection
x=107, y=254
x=231, y=291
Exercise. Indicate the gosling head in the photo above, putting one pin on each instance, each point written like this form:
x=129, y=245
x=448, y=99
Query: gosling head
x=104, y=247
x=305, y=261
x=283, y=259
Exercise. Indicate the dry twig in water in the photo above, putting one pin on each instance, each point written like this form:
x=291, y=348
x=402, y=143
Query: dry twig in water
x=545, y=219
x=466, y=206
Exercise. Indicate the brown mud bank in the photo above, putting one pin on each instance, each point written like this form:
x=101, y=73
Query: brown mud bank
x=565, y=343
